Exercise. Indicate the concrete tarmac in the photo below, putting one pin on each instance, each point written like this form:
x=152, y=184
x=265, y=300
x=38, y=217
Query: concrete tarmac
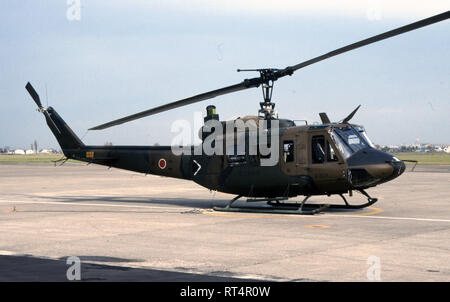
x=125, y=226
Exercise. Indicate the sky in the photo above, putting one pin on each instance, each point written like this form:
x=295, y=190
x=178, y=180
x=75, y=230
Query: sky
x=117, y=58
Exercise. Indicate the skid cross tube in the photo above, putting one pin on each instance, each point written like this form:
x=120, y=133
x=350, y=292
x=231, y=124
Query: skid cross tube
x=273, y=208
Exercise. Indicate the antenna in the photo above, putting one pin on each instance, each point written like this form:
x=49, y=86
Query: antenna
x=46, y=95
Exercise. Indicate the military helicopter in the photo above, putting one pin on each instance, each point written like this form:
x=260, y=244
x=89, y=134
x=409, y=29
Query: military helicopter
x=332, y=158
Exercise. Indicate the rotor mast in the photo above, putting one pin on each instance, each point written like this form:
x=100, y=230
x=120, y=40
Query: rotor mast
x=268, y=78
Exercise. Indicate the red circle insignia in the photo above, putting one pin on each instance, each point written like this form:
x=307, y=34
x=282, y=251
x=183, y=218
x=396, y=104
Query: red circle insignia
x=162, y=163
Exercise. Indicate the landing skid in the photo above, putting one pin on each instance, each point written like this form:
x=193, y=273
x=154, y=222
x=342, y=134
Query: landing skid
x=277, y=207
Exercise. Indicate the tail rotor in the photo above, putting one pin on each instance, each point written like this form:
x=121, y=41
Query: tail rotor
x=35, y=96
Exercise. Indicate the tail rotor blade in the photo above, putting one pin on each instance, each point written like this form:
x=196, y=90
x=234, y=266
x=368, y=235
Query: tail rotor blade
x=34, y=95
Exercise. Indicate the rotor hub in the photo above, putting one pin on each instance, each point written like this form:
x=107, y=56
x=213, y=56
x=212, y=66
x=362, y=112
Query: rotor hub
x=267, y=77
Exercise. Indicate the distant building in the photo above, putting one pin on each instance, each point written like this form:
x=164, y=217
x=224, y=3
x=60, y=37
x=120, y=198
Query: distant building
x=29, y=151
x=19, y=152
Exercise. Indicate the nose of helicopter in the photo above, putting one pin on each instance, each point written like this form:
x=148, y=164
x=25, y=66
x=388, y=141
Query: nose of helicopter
x=370, y=167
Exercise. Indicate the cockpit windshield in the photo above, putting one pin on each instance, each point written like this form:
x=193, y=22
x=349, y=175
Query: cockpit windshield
x=350, y=140
x=363, y=133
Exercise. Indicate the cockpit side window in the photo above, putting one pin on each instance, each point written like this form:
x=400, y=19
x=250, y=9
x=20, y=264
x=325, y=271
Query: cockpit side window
x=318, y=149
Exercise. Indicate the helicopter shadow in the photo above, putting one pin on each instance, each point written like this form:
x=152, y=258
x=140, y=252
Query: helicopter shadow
x=180, y=202
x=187, y=203
x=28, y=268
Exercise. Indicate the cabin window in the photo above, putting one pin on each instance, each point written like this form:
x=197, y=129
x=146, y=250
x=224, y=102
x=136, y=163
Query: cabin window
x=331, y=155
x=288, y=151
x=318, y=149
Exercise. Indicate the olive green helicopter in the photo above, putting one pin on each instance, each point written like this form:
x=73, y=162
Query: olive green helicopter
x=269, y=159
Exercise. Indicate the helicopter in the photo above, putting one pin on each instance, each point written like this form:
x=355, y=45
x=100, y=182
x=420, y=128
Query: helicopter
x=269, y=159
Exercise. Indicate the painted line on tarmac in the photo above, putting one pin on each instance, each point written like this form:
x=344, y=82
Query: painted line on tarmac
x=393, y=218
x=325, y=215
x=91, y=204
x=224, y=215
x=7, y=253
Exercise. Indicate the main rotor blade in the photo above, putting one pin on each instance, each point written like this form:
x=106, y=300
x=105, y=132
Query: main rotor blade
x=350, y=116
x=275, y=74
x=324, y=118
x=194, y=99
x=398, y=31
